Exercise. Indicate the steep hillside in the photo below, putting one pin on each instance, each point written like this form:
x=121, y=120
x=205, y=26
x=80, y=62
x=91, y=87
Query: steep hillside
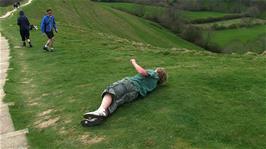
x=210, y=100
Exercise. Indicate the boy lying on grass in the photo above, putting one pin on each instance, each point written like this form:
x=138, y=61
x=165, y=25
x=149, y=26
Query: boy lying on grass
x=124, y=91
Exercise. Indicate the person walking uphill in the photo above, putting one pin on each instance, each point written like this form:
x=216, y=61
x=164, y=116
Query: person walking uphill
x=24, y=26
x=47, y=26
x=125, y=91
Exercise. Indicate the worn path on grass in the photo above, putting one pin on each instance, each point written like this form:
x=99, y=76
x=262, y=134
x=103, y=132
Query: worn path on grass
x=9, y=137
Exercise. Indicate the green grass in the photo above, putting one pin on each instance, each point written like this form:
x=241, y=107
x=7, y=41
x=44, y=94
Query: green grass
x=130, y=27
x=157, y=10
x=132, y=7
x=3, y=10
x=210, y=101
x=224, y=37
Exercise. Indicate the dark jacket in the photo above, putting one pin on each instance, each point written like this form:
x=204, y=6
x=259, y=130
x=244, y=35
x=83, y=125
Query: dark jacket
x=23, y=21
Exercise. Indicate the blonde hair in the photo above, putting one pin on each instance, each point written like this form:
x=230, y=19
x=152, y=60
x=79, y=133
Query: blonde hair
x=162, y=75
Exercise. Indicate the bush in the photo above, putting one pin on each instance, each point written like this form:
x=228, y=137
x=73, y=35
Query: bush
x=139, y=11
x=192, y=34
x=210, y=19
x=213, y=47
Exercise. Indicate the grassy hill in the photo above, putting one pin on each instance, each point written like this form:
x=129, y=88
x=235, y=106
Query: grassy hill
x=149, y=10
x=210, y=101
x=228, y=31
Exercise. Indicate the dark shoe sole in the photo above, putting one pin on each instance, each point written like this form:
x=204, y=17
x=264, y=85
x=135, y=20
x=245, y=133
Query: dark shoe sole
x=90, y=123
x=46, y=49
x=90, y=116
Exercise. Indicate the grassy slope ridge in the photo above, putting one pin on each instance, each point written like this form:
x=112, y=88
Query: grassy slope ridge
x=223, y=38
x=129, y=27
x=210, y=101
x=155, y=10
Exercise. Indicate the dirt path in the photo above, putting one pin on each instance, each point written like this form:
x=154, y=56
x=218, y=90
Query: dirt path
x=9, y=137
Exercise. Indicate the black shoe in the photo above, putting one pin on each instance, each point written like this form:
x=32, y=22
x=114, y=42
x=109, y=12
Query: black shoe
x=45, y=48
x=92, y=122
x=30, y=46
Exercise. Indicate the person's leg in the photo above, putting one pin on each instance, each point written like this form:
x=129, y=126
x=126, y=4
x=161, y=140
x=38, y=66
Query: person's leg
x=98, y=116
x=102, y=111
x=52, y=43
x=114, y=96
x=28, y=37
x=24, y=43
x=22, y=34
x=52, y=40
x=106, y=102
x=45, y=47
x=47, y=43
x=29, y=41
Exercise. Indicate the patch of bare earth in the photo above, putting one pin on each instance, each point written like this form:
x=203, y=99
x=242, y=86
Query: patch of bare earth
x=45, y=112
x=45, y=120
x=182, y=144
x=47, y=123
x=33, y=103
x=62, y=131
x=87, y=139
x=45, y=94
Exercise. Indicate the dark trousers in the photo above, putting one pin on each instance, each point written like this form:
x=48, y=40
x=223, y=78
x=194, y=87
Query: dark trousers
x=25, y=34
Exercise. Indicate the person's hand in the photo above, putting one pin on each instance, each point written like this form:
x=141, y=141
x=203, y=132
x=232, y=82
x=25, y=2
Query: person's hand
x=56, y=30
x=132, y=60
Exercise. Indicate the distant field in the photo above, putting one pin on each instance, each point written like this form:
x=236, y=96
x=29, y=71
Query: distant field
x=224, y=37
x=194, y=15
x=227, y=23
x=241, y=40
x=153, y=10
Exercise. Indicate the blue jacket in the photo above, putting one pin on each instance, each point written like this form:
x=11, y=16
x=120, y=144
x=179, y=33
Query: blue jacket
x=48, y=23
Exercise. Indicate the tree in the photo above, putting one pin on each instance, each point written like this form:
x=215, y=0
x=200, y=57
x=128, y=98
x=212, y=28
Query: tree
x=253, y=11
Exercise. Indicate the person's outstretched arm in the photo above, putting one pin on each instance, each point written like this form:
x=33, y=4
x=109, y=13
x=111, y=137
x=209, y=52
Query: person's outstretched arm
x=54, y=25
x=138, y=68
